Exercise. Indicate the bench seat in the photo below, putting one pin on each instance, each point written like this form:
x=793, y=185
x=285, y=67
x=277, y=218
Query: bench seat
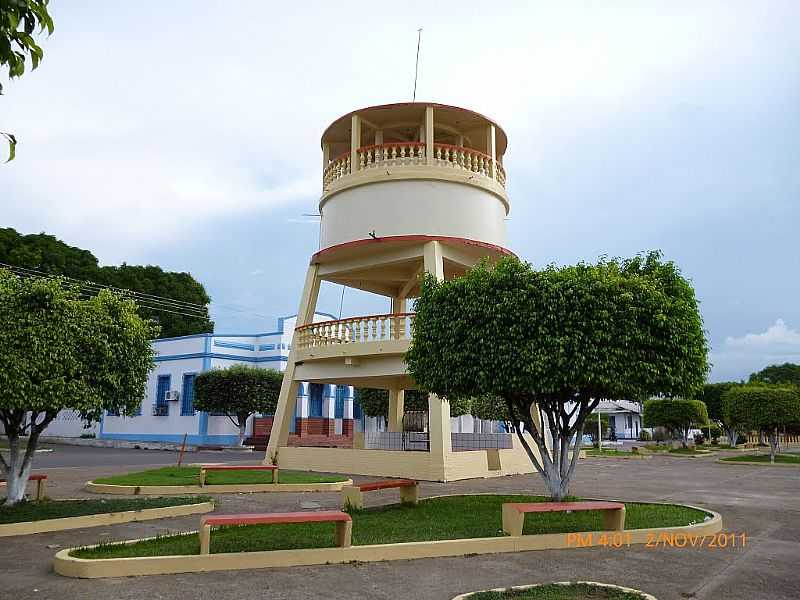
x=344, y=523
x=206, y=468
x=353, y=495
x=514, y=513
x=40, y=479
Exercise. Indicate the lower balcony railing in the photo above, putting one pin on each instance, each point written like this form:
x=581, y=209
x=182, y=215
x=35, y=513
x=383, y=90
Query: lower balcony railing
x=354, y=330
x=413, y=153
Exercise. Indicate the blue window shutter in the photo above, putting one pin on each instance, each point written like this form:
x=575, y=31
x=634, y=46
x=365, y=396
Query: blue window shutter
x=187, y=396
x=341, y=391
x=162, y=387
x=315, y=400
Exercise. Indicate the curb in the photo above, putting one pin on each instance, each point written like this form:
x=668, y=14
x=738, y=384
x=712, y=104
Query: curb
x=100, y=519
x=757, y=464
x=69, y=566
x=182, y=490
x=644, y=595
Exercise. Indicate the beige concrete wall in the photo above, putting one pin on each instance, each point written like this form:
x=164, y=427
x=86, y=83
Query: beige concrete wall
x=409, y=207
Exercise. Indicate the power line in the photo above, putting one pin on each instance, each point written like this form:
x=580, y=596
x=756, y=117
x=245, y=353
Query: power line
x=96, y=287
x=147, y=301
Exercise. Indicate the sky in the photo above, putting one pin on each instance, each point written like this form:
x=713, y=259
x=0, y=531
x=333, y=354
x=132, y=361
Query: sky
x=186, y=134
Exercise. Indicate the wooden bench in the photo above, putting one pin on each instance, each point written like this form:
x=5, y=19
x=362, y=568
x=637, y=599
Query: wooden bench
x=353, y=495
x=344, y=524
x=40, y=484
x=514, y=513
x=205, y=468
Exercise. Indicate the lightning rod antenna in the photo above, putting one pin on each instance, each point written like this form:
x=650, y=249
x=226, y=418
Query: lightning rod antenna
x=416, y=66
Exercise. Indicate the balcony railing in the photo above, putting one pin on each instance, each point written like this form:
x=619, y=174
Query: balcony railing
x=413, y=153
x=355, y=330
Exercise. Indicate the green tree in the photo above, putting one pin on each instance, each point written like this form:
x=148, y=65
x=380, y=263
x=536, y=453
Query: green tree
x=238, y=392
x=553, y=343
x=590, y=425
x=42, y=253
x=712, y=397
x=19, y=21
x=61, y=352
x=677, y=415
x=787, y=373
x=763, y=408
x=375, y=402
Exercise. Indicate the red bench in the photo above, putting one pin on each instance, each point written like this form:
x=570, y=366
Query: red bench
x=205, y=468
x=40, y=484
x=353, y=495
x=514, y=513
x=344, y=524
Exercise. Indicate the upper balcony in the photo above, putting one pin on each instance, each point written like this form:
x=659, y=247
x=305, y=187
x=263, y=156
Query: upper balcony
x=413, y=141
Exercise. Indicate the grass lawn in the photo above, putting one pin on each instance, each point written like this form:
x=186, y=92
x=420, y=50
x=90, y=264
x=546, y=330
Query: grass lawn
x=786, y=459
x=56, y=509
x=576, y=591
x=453, y=517
x=191, y=476
x=609, y=452
x=689, y=452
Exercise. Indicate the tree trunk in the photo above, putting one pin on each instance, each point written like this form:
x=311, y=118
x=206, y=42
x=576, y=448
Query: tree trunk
x=773, y=444
x=732, y=436
x=242, y=432
x=18, y=470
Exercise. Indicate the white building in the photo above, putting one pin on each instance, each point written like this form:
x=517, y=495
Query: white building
x=624, y=418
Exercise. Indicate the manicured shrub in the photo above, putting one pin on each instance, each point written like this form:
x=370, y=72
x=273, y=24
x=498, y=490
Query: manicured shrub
x=677, y=415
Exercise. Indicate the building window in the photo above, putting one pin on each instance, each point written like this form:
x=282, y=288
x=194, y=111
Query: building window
x=161, y=407
x=187, y=395
x=341, y=394
x=630, y=422
x=357, y=412
x=315, y=399
x=112, y=412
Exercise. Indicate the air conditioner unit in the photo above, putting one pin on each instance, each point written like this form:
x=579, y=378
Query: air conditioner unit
x=173, y=396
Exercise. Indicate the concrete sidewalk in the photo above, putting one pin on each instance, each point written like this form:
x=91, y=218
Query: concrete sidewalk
x=762, y=502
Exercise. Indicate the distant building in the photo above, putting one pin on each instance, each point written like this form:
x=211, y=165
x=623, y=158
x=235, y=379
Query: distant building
x=624, y=418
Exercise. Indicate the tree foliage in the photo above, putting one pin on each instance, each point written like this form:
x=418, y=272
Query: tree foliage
x=787, y=373
x=762, y=408
x=553, y=343
x=677, y=415
x=20, y=20
x=64, y=352
x=238, y=392
x=590, y=426
x=712, y=397
x=375, y=402
x=50, y=255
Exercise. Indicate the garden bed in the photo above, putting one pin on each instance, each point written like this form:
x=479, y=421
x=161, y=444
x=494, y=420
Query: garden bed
x=57, y=515
x=760, y=459
x=559, y=591
x=595, y=453
x=437, y=527
x=443, y=518
x=186, y=480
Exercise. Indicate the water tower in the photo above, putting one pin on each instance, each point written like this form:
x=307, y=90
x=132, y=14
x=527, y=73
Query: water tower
x=406, y=188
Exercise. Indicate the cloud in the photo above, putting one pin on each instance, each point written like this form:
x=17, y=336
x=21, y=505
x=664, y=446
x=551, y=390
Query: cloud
x=737, y=357
x=778, y=338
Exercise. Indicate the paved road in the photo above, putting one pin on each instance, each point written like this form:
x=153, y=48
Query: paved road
x=763, y=502
x=86, y=456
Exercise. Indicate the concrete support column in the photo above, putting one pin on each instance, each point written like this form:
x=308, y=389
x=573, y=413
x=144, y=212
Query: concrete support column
x=439, y=429
x=429, y=135
x=355, y=142
x=396, y=409
x=285, y=411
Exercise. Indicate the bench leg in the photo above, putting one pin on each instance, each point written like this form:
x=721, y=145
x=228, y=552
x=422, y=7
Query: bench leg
x=409, y=494
x=352, y=497
x=40, y=485
x=205, y=538
x=275, y=476
x=513, y=520
x=614, y=520
x=344, y=534
x=202, y=477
